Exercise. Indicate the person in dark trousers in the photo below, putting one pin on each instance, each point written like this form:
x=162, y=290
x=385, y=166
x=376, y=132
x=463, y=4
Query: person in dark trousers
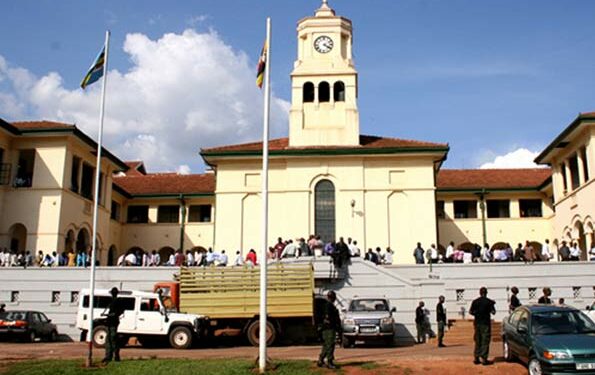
x=545, y=299
x=2, y=308
x=514, y=300
x=441, y=320
x=481, y=309
x=330, y=326
x=420, y=317
x=418, y=254
x=114, y=311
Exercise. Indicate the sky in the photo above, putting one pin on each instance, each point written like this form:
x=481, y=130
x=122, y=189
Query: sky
x=495, y=79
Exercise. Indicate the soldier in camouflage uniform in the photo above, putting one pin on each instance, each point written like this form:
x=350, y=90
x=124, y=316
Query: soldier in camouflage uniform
x=330, y=326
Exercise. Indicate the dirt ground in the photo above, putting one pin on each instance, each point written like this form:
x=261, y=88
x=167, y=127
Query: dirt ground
x=418, y=359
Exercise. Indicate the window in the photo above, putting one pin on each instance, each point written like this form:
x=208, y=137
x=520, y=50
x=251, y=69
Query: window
x=460, y=295
x=532, y=293
x=55, y=297
x=4, y=170
x=74, y=297
x=440, y=210
x=24, y=177
x=87, y=181
x=324, y=210
x=115, y=213
x=576, y=292
x=324, y=92
x=200, y=214
x=530, y=207
x=339, y=91
x=308, y=93
x=573, y=165
x=138, y=214
x=74, y=174
x=100, y=188
x=15, y=296
x=149, y=304
x=465, y=209
x=168, y=214
x=102, y=302
x=585, y=163
x=498, y=208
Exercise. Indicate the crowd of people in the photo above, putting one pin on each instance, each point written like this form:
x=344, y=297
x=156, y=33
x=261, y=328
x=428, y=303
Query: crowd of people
x=502, y=253
x=13, y=258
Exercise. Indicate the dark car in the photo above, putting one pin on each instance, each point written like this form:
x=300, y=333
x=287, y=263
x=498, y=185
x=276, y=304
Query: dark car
x=550, y=339
x=27, y=325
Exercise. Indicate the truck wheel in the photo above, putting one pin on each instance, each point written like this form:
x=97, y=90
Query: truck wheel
x=99, y=336
x=253, y=333
x=180, y=338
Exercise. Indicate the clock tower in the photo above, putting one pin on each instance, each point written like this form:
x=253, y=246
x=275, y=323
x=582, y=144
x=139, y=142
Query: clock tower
x=324, y=83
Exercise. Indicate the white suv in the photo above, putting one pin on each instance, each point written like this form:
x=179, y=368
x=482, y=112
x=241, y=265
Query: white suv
x=144, y=318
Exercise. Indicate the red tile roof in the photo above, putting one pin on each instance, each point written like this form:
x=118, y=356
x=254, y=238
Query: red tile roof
x=366, y=142
x=492, y=178
x=167, y=183
x=40, y=125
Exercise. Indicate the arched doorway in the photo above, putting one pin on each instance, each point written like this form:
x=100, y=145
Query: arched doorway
x=18, y=237
x=69, y=241
x=324, y=210
x=83, y=240
x=164, y=253
x=111, y=255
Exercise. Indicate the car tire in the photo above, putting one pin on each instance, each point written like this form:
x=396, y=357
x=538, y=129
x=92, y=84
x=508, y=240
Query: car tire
x=53, y=337
x=534, y=367
x=253, y=333
x=180, y=338
x=99, y=336
x=506, y=351
x=32, y=336
x=346, y=342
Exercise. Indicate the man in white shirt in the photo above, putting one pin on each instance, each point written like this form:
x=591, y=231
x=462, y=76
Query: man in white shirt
x=222, y=259
x=575, y=252
x=546, y=255
x=433, y=254
x=353, y=249
x=198, y=258
x=290, y=250
x=450, y=252
x=130, y=259
x=171, y=261
x=388, y=256
x=210, y=257
x=189, y=258
x=239, y=261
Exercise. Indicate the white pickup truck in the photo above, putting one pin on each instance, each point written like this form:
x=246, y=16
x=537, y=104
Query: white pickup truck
x=145, y=317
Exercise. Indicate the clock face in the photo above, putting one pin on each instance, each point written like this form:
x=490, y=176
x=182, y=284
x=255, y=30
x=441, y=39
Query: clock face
x=323, y=44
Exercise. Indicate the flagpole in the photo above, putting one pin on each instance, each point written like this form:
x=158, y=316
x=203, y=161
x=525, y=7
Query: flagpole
x=265, y=205
x=96, y=205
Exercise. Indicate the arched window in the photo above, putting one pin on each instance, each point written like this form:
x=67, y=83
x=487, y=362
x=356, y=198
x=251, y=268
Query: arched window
x=324, y=92
x=324, y=210
x=339, y=91
x=308, y=93
x=83, y=240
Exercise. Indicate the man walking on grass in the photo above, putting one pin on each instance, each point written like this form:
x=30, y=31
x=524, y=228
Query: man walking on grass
x=482, y=308
x=114, y=311
x=330, y=326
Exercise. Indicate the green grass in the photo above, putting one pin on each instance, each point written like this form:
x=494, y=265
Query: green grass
x=370, y=365
x=158, y=367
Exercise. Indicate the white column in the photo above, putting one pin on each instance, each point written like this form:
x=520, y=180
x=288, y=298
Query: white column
x=568, y=177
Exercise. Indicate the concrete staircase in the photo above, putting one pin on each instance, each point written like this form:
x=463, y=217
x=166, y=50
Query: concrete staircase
x=461, y=332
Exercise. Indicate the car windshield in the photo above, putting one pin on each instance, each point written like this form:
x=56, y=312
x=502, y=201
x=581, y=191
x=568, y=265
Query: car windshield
x=561, y=322
x=368, y=305
x=13, y=315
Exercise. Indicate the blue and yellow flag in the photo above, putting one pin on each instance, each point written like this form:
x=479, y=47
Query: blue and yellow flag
x=96, y=70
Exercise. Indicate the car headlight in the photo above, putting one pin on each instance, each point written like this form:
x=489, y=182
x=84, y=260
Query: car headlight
x=556, y=355
x=349, y=322
x=387, y=321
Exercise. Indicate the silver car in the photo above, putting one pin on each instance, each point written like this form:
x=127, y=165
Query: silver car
x=368, y=319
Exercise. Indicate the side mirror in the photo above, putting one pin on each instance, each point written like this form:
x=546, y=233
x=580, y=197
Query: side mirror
x=393, y=310
x=522, y=330
x=49, y=320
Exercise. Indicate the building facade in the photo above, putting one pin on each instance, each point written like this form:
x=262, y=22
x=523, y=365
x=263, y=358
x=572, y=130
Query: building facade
x=325, y=178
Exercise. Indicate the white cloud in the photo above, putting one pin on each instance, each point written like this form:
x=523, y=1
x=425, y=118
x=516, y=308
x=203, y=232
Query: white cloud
x=519, y=158
x=183, y=92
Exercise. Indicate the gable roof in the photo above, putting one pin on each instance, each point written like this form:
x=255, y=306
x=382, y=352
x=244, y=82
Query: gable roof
x=136, y=168
x=367, y=145
x=564, y=137
x=33, y=127
x=166, y=184
x=492, y=179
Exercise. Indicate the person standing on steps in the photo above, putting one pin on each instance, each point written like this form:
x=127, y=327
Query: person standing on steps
x=441, y=320
x=420, y=317
x=482, y=308
x=330, y=326
x=514, y=300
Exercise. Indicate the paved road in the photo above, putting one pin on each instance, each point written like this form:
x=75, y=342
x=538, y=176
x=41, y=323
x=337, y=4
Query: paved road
x=420, y=359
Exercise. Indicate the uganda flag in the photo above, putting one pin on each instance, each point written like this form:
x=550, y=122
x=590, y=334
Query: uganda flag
x=262, y=63
x=95, y=71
